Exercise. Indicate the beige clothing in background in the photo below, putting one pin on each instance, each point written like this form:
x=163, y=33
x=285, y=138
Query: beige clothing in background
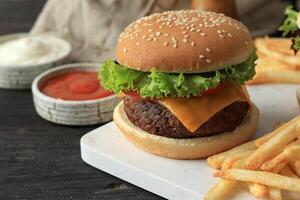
x=93, y=26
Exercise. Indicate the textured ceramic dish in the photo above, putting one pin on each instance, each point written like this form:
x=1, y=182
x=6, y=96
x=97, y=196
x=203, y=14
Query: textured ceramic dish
x=21, y=77
x=59, y=111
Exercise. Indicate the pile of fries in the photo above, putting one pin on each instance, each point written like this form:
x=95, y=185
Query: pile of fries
x=276, y=63
x=266, y=165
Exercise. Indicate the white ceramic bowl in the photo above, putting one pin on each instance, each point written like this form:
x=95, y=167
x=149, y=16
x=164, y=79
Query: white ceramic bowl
x=21, y=77
x=67, y=112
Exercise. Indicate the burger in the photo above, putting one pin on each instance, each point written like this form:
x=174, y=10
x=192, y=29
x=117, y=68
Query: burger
x=181, y=74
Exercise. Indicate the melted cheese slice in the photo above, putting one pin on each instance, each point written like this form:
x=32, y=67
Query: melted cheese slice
x=195, y=111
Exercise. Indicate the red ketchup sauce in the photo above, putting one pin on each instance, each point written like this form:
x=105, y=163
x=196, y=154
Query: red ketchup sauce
x=75, y=85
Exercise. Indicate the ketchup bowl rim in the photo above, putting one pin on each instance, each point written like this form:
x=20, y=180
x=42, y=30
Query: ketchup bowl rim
x=69, y=112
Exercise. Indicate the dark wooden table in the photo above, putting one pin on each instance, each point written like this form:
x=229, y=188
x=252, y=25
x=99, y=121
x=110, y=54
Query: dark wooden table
x=38, y=159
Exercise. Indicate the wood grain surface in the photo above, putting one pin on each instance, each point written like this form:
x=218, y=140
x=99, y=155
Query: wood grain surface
x=38, y=159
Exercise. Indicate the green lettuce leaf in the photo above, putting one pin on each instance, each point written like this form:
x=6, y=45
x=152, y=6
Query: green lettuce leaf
x=154, y=84
x=290, y=23
x=290, y=28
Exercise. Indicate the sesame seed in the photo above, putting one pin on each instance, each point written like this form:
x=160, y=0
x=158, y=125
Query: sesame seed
x=208, y=50
x=174, y=45
x=137, y=43
x=154, y=39
x=125, y=50
x=208, y=60
x=165, y=43
x=174, y=40
x=187, y=21
x=201, y=56
x=193, y=43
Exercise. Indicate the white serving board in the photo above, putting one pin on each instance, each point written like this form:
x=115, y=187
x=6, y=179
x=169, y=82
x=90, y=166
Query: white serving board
x=107, y=149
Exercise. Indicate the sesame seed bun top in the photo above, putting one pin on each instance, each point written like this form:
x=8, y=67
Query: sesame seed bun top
x=189, y=41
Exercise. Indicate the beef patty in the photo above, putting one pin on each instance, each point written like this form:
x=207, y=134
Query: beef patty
x=156, y=119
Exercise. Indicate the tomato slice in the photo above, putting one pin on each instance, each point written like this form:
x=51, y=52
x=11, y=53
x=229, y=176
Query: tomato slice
x=213, y=91
x=133, y=94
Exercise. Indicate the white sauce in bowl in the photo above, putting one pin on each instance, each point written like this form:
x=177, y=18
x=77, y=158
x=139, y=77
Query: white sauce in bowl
x=32, y=50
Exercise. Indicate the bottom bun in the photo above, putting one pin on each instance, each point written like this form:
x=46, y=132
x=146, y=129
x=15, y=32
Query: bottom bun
x=186, y=148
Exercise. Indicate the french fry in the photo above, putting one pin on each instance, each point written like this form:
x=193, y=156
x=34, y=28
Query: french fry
x=258, y=191
x=225, y=187
x=277, y=152
x=278, y=124
x=277, y=163
x=236, y=161
x=277, y=168
x=260, y=141
x=298, y=95
x=281, y=45
x=280, y=76
x=217, y=160
x=291, y=153
x=228, y=162
x=261, y=177
x=221, y=190
x=273, y=146
x=277, y=63
x=296, y=167
x=278, y=49
x=287, y=171
x=275, y=194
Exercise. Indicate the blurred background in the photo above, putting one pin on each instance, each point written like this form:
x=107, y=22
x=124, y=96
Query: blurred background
x=19, y=15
